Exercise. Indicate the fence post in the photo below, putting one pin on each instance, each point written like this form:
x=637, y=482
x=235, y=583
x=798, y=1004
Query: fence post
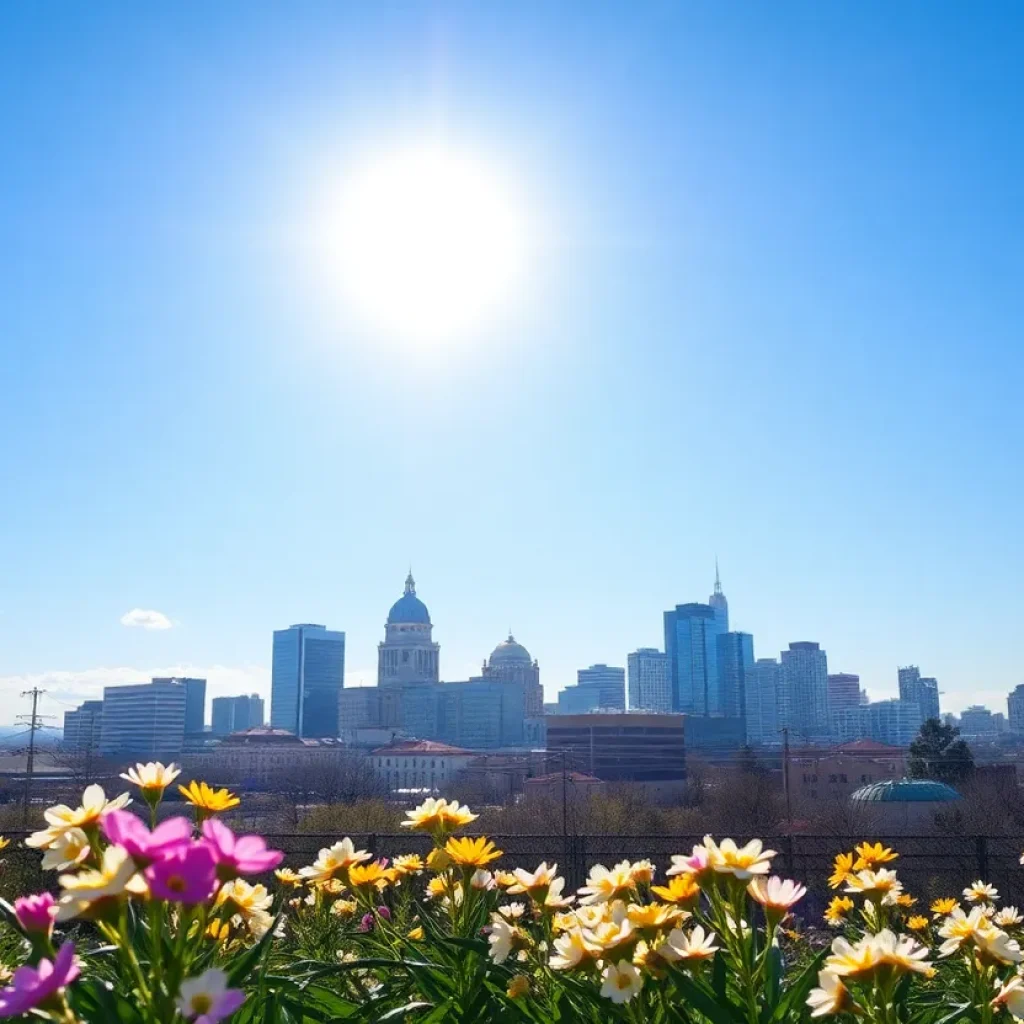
x=788, y=844
x=982, y=844
x=371, y=843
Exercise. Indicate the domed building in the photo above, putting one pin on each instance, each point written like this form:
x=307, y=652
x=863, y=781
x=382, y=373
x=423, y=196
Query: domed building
x=903, y=804
x=408, y=653
x=511, y=662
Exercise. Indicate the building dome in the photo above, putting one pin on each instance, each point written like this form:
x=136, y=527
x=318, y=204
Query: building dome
x=508, y=652
x=906, y=791
x=409, y=608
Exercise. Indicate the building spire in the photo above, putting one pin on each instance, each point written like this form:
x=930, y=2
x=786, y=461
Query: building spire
x=718, y=581
x=410, y=583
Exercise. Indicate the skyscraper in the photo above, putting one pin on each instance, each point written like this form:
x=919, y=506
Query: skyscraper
x=408, y=653
x=691, y=643
x=735, y=661
x=894, y=722
x=195, y=701
x=803, y=701
x=608, y=682
x=720, y=604
x=236, y=714
x=307, y=674
x=144, y=719
x=843, y=693
x=650, y=682
x=83, y=727
x=922, y=690
x=1014, y=710
x=764, y=684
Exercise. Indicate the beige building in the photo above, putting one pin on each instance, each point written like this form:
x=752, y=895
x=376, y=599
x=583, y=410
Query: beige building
x=573, y=786
x=419, y=764
x=834, y=774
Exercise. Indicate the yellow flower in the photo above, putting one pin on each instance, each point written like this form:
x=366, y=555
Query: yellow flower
x=573, y=948
x=408, y=864
x=652, y=916
x=372, y=875
x=871, y=856
x=153, y=777
x=518, y=987
x=416, y=934
x=620, y=982
x=837, y=909
x=208, y=800
x=642, y=872
x=831, y=997
x=857, y=960
x=288, y=877
x=332, y=860
x=917, y=923
x=115, y=877
x=742, y=862
x=344, y=908
x=438, y=887
x=681, y=890
x=905, y=900
x=218, y=931
x=881, y=884
x=604, y=884
x=842, y=870
x=612, y=935
x=504, y=879
x=959, y=928
x=438, y=860
x=4, y=843
x=901, y=953
x=943, y=906
x=68, y=849
x=472, y=853
x=981, y=892
x=60, y=817
x=438, y=817
x=251, y=904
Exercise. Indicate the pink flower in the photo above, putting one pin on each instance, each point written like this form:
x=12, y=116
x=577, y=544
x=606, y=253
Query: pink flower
x=184, y=874
x=124, y=829
x=35, y=914
x=366, y=925
x=384, y=913
x=33, y=986
x=238, y=855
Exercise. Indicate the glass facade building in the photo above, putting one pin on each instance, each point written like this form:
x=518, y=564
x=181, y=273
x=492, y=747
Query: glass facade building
x=803, y=699
x=236, y=714
x=83, y=727
x=764, y=684
x=146, y=720
x=650, y=683
x=307, y=675
x=735, y=662
x=195, y=702
x=691, y=644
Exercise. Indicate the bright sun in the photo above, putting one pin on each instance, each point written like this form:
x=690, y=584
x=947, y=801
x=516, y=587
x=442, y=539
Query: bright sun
x=429, y=242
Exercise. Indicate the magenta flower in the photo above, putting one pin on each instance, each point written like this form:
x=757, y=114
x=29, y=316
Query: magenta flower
x=238, y=855
x=366, y=925
x=184, y=874
x=35, y=986
x=35, y=914
x=124, y=829
x=384, y=913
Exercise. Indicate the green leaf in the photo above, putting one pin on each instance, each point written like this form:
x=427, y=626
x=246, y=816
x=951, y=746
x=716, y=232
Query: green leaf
x=716, y=1009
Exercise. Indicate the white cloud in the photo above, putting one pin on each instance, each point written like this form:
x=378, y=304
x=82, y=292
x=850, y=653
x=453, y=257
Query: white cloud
x=146, y=618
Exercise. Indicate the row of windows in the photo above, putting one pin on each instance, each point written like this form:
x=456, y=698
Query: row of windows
x=835, y=778
x=407, y=763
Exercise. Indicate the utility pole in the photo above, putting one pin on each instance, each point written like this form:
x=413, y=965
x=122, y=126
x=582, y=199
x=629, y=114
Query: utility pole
x=565, y=803
x=785, y=778
x=35, y=723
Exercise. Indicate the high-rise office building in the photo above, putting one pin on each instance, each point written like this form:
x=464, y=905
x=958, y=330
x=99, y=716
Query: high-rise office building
x=843, y=692
x=236, y=714
x=803, y=700
x=764, y=684
x=978, y=720
x=691, y=643
x=408, y=653
x=893, y=722
x=195, y=701
x=307, y=674
x=83, y=727
x=1014, y=709
x=650, y=684
x=608, y=682
x=735, y=661
x=923, y=690
x=144, y=719
x=719, y=604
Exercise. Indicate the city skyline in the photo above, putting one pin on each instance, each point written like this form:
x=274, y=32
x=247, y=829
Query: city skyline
x=785, y=331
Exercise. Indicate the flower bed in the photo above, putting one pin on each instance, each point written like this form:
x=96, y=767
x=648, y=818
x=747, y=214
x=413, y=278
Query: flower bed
x=170, y=922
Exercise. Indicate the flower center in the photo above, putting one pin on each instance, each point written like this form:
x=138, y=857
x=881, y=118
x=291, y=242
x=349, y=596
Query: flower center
x=201, y=1003
x=177, y=884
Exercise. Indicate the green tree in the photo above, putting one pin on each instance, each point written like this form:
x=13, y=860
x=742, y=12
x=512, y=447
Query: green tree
x=937, y=753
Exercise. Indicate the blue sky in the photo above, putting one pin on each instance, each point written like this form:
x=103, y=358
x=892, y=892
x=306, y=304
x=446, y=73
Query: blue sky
x=774, y=315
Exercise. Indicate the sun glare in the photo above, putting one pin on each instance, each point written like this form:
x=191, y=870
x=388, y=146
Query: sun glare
x=429, y=242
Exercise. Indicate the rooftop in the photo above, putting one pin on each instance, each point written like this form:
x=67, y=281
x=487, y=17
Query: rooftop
x=421, y=747
x=906, y=791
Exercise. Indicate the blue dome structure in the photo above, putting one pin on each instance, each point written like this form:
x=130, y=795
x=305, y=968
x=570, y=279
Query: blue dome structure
x=906, y=791
x=409, y=608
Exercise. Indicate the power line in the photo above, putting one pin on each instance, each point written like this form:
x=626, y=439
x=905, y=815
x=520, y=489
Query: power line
x=35, y=723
